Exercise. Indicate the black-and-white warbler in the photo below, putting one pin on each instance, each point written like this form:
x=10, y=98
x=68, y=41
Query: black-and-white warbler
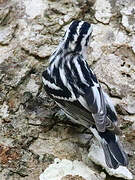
x=75, y=88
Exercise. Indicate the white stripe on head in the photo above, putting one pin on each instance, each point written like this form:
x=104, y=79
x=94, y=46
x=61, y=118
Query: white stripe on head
x=88, y=34
x=72, y=44
x=79, y=27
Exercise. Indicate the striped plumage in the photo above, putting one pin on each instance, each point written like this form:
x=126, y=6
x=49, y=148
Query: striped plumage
x=75, y=88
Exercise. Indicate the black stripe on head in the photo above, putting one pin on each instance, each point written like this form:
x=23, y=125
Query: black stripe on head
x=72, y=31
x=82, y=33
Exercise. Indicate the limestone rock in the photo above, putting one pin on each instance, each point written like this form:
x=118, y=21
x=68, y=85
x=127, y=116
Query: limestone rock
x=32, y=86
x=6, y=34
x=35, y=8
x=4, y=12
x=128, y=17
x=61, y=168
x=35, y=43
x=115, y=75
x=129, y=104
x=57, y=142
x=103, y=11
x=4, y=111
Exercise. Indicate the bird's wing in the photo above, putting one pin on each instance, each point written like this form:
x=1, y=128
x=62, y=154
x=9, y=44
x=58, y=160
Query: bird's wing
x=86, y=89
x=76, y=112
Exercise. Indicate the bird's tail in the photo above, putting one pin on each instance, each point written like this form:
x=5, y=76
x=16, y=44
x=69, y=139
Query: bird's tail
x=113, y=150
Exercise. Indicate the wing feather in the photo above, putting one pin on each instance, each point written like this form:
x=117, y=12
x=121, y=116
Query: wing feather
x=90, y=94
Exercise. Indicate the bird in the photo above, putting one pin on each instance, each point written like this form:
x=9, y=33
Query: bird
x=73, y=85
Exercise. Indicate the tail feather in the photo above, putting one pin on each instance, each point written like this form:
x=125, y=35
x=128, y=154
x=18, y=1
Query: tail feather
x=113, y=150
x=109, y=158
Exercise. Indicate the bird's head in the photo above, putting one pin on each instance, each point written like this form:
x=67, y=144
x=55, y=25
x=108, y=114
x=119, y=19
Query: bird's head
x=77, y=36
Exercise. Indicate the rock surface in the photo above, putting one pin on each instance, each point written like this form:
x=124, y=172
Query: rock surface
x=32, y=131
x=61, y=168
